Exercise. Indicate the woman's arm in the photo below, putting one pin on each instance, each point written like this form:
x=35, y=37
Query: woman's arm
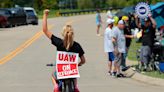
x=152, y=20
x=82, y=60
x=45, y=29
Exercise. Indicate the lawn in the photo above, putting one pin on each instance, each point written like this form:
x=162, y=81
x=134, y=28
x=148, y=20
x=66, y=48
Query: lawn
x=155, y=74
x=132, y=56
x=132, y=51
x=52, y=13
x=55, y=13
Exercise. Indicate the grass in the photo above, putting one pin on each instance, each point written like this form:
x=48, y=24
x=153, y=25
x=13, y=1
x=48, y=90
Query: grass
x=132, y=56
x=52, y=14
x=132, y=50
x=55, y=13
x=155, y=74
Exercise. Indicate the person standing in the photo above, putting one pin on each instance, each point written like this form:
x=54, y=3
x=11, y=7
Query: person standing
x=98, y=22
x=109, y=15
x=128, y=37
x=116, y=19
x=108, y=44
x=65, y=44
x=148, y=36
x=120, y=48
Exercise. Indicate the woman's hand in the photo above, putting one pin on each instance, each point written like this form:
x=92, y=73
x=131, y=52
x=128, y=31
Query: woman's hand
x=46, y=12
x=82, y=60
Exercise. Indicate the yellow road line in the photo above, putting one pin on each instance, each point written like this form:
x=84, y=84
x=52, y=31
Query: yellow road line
x=26, y=44
x=22, y=47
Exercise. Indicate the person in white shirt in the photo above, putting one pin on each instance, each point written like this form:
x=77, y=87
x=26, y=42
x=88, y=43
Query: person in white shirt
x=108, y=44
x=109, y=15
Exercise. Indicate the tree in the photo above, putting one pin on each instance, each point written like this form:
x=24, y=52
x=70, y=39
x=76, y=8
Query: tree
x=52, y=4
x=38, y=4
x=85, y=4
x=124, y=3
x=23, y=3
x=100, y=3
x=43, y=4
x=72, y=4
x=6, y=3
x=113, y=3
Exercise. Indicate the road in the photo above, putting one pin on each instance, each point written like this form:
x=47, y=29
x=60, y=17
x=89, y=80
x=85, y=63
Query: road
x=25, y=51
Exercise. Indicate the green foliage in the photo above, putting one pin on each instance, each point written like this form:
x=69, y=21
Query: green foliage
x=100, y=3
x=52, y=14
x=85, y=4
x=23, y=3
x=38, y=4
x=88, y=4
x=132, y=50
x=123, y=3
x=51, y=4
x=155, y=74
x=6, y=3
x=43, y=4
x=72, y=4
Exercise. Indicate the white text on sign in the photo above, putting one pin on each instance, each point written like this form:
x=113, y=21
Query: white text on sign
x=66, y=57
x=67, y=65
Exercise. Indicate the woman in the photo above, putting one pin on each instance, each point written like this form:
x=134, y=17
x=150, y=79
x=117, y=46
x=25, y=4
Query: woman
x=66, y=44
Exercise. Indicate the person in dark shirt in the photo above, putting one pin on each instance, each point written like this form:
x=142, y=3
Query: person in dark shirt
x=128, y=38
x=148, y=35
x=67, y=44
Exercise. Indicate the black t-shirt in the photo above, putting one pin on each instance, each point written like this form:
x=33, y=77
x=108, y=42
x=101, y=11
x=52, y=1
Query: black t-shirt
x=148, y=35
x=127, y=32
x=76, y=48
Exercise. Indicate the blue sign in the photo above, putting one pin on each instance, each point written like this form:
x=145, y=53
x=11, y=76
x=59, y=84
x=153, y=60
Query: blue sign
x=142, y=9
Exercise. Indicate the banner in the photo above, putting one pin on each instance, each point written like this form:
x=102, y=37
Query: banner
x=67, y=65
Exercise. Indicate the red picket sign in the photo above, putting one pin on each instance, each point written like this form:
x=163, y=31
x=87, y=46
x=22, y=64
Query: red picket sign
x=67, y=65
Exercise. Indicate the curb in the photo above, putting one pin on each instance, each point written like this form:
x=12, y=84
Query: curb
x=143, y=78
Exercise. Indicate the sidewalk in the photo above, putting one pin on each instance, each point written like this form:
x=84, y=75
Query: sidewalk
x=143, y=78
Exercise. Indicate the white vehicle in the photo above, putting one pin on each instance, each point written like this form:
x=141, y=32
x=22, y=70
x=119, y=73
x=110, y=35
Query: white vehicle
x=31, y=16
